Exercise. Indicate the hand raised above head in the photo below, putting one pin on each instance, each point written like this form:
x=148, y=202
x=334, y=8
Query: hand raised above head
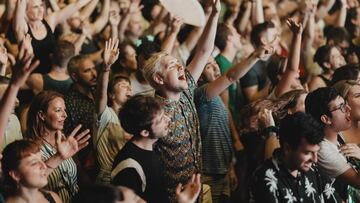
x=111, y=53
x=24, y=63
x=114, y=18
x=294, y=26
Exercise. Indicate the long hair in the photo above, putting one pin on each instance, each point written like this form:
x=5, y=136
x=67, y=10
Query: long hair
x=40, y=103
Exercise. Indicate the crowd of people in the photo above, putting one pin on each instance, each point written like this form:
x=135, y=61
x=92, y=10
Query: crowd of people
x=106, y=101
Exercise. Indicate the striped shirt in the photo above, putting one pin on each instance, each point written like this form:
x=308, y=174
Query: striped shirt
x=108, y=141
x=216, y=139
x=63, y=179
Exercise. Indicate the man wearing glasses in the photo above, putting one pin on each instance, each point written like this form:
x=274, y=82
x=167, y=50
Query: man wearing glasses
x=331, y=110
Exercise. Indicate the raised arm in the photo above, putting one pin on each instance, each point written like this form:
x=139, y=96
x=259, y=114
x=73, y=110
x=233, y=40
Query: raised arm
x=125, y=19
x=292, y=70
x=257, y=12
x=86, y=12
x=59, y=16
x=21, y=72
x=325, y=8
x=110, y=55
x=19, y=24
x=216, y=87
x=114, y=20
x=342, y=14
x=206, y=43
x=244, y=20
x=103, y=18
x=170, y=39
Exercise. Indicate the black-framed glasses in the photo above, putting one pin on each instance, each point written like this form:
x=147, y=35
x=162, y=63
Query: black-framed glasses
x=342, y=107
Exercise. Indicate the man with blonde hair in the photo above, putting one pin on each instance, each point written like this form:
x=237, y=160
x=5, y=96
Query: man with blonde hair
x=180, y=150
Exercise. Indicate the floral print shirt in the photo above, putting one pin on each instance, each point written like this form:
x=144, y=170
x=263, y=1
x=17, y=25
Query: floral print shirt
x=274, y=183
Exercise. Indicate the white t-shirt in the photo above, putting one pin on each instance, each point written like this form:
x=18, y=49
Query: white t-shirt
x=330, y=160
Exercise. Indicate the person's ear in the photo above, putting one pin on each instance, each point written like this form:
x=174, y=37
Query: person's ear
x=144, y=133
x=263, y=41
x=74, y=77
x=41, y=115
x=158, y=79
x=14, y=175
x=326, y=119
x=327, y=65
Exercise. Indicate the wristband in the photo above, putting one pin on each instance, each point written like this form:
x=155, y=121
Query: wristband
x=269, y=130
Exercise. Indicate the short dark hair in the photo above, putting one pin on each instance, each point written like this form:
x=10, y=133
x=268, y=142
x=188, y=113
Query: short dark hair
x=322, y=55
x=113, y=82
x=222, y=33
x=74, y=63
x=347, y=72
x=337, y=34
x=138, y=113
x=63, y=52
x=295, y=127
x=255, y=35
x=317, y=102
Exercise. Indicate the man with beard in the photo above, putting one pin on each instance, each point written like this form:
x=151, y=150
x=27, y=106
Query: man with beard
x=291, y=174
x=80, y=105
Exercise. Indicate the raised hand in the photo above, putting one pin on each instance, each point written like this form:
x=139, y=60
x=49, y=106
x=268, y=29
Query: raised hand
x=111, y=52
x=294, y=26
x=135, y=6
x=69, y=146
x=265, y=116
x=176, y=24
x=216, y=6
x=190, y=192
x=24, y=63
x=114, y=18
x=264, y=52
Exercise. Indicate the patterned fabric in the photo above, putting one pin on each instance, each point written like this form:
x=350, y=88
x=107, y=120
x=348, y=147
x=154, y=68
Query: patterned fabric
x=274, y=183
x=80, y=109
x=108, y=140
x=180, y=150
x=63, y=179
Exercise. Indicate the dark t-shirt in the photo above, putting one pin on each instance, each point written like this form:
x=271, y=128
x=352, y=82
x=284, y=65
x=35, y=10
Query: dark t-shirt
x=257, y=75
x=129, y=177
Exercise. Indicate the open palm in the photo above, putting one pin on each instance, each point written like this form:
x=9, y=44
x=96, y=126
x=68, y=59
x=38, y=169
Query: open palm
x=69, y=146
